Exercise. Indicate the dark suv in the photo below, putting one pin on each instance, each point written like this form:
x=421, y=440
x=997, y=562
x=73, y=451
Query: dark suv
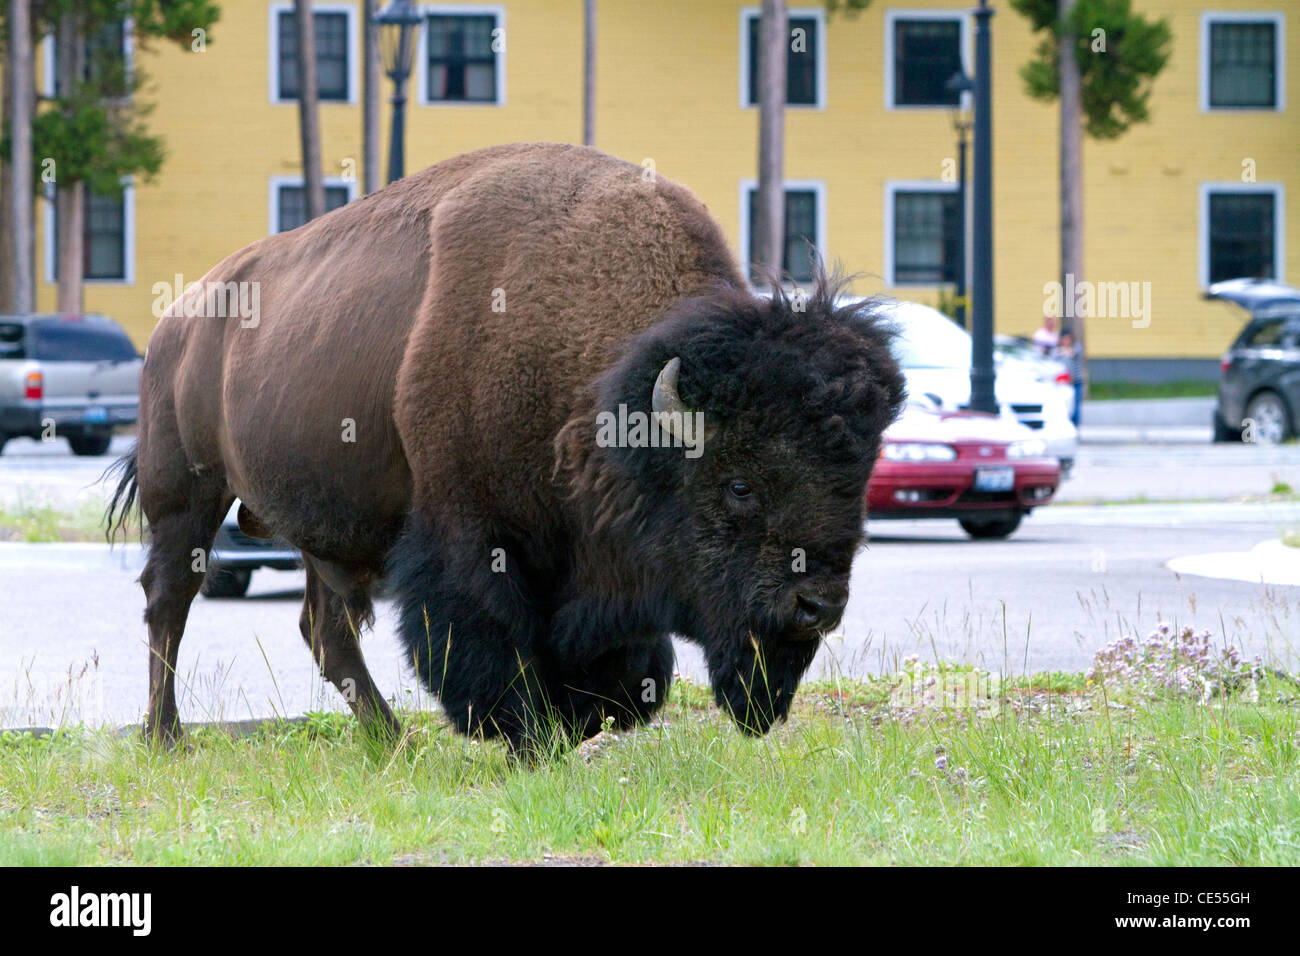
x=1259, y=384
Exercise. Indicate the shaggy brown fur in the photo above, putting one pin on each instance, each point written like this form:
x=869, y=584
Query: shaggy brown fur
x=454, y=323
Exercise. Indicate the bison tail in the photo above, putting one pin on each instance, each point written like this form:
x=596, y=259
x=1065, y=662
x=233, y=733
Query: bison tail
x=124, y=497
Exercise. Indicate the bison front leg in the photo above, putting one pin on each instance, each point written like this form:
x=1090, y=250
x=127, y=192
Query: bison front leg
x=471, y=626
x=488, y=682
x=331, y=623
x=628, y=683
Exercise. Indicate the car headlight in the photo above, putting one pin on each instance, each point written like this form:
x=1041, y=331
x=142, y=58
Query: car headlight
x=1029, y=448
x=918, y=451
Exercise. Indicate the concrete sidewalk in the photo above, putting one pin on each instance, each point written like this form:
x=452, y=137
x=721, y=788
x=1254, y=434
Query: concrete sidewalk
x=1147, y=421
x=1128, y=471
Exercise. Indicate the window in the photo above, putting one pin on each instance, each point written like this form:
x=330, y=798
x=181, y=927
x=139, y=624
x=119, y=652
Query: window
x=804, y=228
x=90, y=340
x=804, y=64
x=923, y=51
x=923, y=233
x=335, y=53
x=461, y=65
x=290, y=200
x=106, y=238
x=1241, y=232
x=1268, y=335
x=1241, y=61
x=106, y=51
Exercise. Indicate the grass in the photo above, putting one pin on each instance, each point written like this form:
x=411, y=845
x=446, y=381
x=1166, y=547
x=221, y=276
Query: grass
x=1105, y=391
x=1048, y=770
x=41, y=522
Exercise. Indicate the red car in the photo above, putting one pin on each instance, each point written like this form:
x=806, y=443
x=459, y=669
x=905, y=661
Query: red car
x=985, y=471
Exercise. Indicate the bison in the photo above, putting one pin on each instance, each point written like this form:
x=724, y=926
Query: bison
x=438, y=390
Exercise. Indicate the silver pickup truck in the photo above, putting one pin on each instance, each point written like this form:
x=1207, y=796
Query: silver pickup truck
x=73, y=377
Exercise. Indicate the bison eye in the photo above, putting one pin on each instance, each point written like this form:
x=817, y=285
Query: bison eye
x=739, y=489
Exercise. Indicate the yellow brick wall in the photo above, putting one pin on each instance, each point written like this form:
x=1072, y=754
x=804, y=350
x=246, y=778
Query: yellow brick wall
x=668, y=90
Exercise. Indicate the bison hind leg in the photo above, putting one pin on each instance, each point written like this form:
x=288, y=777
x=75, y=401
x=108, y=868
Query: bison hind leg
x=470, y=631
x=336, y=606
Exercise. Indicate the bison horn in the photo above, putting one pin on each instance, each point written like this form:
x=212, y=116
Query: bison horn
x=668, y=406
x=665, y=401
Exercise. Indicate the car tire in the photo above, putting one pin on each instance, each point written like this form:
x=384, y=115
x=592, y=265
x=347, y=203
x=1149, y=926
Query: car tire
x=226, y=582
x=987, y=529
x=1271, y=417
x=1222, y=432
x=92, y=444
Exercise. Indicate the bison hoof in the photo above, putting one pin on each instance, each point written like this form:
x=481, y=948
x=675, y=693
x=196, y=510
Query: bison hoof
x=166, y=735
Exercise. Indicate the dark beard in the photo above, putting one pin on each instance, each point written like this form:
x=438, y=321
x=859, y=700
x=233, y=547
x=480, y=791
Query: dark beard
x=754, y=680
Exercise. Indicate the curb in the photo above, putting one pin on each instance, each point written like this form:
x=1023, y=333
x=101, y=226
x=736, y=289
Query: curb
x=235, y=728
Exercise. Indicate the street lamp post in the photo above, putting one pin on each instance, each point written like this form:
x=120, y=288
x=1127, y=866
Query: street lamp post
x=397, y=22
x=982, y=395
x=961, y=125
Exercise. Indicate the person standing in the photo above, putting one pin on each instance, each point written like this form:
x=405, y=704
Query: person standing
x=1045, y=338
x=1069, y=352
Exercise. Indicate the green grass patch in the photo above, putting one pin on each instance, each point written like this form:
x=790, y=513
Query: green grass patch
x=1048, y=769
x=42, y=522
x=1104, y=391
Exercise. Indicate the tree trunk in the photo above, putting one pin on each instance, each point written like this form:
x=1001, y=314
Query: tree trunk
x=370, y=102
x=309, y=111
x=17, y=280
x=1071, y=182
x=589, y=73
x=769, y=214
x=70, y=196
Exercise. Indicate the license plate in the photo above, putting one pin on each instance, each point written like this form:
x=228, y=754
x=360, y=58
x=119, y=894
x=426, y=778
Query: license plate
x=95, y=414
x=995, y=479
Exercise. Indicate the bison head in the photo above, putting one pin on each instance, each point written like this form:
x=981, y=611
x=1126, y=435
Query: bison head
x=743, y=543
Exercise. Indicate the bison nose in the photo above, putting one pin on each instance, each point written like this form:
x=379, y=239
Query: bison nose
x=818, y=611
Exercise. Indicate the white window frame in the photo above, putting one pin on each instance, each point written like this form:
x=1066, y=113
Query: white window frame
x=964, y=42
x=420, y=72
x=816, y=186
x=816, y=13
x=273, y=195
x=47, y=56
x=273, y=52
x=1278, y=192
x=892, y=188
x=128, y=238
x=1278, y=20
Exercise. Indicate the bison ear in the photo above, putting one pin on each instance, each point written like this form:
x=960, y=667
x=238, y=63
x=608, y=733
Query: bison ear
x=667, y=404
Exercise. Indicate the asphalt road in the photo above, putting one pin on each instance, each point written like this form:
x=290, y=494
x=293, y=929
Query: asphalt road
x=72, y=645
x=45, y=472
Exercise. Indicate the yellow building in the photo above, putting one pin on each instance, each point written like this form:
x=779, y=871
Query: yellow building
x=1200, y=192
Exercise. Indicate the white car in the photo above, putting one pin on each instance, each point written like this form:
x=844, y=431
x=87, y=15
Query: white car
x=935, y=353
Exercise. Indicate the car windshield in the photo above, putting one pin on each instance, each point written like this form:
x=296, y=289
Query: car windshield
x=60, y=340
x=1019, y=350
x=928, y=339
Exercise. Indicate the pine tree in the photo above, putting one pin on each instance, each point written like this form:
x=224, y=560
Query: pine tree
x=90, y=134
